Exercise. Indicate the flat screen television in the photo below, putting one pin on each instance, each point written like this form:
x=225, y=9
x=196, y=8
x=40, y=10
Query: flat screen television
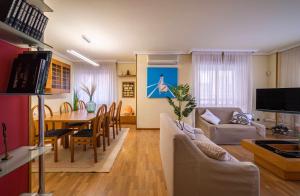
x=282, y=100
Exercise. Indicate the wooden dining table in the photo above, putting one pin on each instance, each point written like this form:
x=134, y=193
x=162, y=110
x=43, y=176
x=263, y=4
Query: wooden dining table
x=70, y=117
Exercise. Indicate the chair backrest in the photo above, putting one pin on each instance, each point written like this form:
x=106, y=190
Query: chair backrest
x=81, y=105
x=111, y=112
x=65, y=107
x=224, y=113
x=47, y=110
x=118, y=114
x=100, y=120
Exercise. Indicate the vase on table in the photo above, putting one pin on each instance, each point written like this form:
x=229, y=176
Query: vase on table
x=90, y=106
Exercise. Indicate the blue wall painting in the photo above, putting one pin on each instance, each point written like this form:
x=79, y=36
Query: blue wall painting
x=160, y=80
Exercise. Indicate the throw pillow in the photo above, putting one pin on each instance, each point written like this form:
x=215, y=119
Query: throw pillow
x=241, y=118
x=210, y=117
x=213, y=151
x=189, y=130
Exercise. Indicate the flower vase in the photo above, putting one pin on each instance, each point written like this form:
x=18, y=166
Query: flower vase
x=90, y=106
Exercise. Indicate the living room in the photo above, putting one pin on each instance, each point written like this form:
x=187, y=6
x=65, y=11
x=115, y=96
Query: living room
x=149, y=98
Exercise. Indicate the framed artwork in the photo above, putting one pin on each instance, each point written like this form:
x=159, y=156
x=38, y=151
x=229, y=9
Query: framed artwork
x=160, y=80
x=128, y=89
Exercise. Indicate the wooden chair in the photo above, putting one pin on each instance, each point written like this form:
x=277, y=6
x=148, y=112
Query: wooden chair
x=81, y=105
x=65, y=107
x=52, y=135
x=117, y=118
x=90, y=136
x=110, y=121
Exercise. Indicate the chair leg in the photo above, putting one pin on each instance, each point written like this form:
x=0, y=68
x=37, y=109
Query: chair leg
x=108, y=135
x=116, y=123
x=72, y=149
x=55, y=150
x=114, y=134
x=95, y=149
x=120, y=128
x=103, y=142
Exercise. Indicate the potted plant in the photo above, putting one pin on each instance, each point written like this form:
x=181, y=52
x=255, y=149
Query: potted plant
x=75, y=100
x=91, y=105
x=183, y=104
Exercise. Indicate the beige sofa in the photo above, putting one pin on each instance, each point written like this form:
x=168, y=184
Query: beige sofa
x=189, y=172
x=225, y=132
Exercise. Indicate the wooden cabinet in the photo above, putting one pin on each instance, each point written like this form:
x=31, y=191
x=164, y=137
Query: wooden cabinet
x=59, y=77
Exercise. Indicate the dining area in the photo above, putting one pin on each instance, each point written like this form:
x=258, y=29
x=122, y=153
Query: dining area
x=71, y=133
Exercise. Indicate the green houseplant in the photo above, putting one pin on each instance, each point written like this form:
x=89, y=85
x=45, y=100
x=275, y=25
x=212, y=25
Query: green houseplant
x=75, y=100
x=183, y=104
x=91, y=105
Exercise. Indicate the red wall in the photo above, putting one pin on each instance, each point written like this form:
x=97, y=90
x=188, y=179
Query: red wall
x=14, y=112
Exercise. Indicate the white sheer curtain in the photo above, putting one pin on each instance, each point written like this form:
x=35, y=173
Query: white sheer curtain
x=223, y=79
x=105, y=78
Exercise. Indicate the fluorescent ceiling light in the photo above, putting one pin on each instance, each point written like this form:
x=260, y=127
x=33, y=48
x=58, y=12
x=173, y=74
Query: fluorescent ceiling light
x=82, y=57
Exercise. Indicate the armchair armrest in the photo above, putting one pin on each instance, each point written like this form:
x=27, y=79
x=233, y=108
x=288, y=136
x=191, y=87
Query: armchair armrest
x=261, y=129
x=205, y=126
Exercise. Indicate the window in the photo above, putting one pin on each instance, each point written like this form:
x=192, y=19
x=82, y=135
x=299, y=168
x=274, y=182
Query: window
x=223, y=80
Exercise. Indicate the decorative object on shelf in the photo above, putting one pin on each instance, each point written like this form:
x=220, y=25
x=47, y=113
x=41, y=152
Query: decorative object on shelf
x=128, y=111
x=128, y=89
x=91, y=105
x=30, y=72
x=75, y=100
x=6, y=155
x=186, y=103
x=23, y=17
x=160, y=80
x=127, y=72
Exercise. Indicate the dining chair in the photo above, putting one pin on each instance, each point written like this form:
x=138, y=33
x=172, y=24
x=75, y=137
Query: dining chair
x=81, y=105
x=65, y=107
x=110, y=121
x=52, y=135
x=90, y=136
x=118, y=117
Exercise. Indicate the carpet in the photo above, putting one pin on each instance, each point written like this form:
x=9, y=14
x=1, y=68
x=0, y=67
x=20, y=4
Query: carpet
x=84, y=160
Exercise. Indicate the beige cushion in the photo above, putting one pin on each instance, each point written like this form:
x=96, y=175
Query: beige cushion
x=213, y=151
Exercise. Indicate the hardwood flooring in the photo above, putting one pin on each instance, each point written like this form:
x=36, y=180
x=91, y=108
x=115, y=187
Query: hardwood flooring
x=138, y=172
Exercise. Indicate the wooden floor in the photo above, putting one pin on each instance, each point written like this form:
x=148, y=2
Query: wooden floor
x=137, y=172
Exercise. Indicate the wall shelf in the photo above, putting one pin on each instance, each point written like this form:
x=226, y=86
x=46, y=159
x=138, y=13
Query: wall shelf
x=11, y=35
x=40, y=4
x=21, y=156
x=125, y=76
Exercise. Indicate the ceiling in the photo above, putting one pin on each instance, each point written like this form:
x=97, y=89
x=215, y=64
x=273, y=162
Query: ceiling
x=118, y=28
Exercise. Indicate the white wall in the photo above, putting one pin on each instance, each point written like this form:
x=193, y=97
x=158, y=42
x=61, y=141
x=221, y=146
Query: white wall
x=148, y=110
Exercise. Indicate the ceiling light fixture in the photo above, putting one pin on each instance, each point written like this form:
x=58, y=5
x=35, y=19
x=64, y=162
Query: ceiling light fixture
x=82, y=57
x=85, y=38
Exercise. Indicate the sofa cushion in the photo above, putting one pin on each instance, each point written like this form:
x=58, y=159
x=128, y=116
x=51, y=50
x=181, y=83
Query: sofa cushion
x=210, y=117
x=241, y=118
x=234, y=127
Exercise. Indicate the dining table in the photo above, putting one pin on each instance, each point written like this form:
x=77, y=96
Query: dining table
x=79, y=116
